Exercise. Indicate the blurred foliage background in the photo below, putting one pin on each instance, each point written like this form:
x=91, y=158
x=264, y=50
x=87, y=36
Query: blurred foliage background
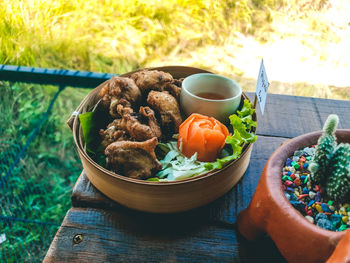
x=302, y=42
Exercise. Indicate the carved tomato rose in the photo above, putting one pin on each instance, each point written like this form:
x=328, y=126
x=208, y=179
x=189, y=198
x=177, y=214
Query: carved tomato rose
x=202, y=135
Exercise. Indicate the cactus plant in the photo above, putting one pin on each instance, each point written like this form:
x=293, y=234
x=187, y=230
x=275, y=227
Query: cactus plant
x=330, y=166
x=338, y=185
x=324, y=150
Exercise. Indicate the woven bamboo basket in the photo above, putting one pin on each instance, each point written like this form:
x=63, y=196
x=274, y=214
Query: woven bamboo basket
x=158, y=197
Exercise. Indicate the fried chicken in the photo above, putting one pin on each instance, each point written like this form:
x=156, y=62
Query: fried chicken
x=168, y=108
x=114, y=132
x=148, y=80
x=122, y=110
x=120, y=91
x=133, y=159
x=142, y=126
x=131, y=126
x=174, y=88
x=130, y=139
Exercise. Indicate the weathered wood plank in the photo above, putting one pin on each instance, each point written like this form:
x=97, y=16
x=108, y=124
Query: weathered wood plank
x=84, y=194
x=109, y=236
x=291, y=116
x=340, y=107
x=224, y=209
x=227, y=207
x=261, y=250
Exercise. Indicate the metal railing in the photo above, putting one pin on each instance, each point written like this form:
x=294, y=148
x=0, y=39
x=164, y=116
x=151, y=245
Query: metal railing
x=59, y=77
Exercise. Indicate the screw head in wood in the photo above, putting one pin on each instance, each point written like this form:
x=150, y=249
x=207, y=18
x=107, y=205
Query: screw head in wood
x=77, y=239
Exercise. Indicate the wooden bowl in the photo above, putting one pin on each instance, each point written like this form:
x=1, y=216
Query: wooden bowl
x=270, y=212
x=158, y=197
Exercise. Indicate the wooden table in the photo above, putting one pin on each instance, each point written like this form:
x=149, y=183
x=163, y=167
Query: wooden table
x=97, y=229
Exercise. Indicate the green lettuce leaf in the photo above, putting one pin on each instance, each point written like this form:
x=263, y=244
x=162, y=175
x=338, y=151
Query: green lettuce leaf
x=246, y=110
x=240, y=127
x=153, y=179
x=241, y=123
x=88, y=125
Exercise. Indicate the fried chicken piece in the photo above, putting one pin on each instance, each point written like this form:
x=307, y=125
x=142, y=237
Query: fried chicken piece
x=143, y=126
x=178, y=82
x=114, y=132
x=122, y=110
x=133, y=159
x=138, y=127
x=174, y=88
x=121, y=91
x=168, y=108
x=148, y=80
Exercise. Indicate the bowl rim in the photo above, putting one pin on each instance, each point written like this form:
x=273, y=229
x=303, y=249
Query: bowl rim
x=188, y=78
x=76, y=135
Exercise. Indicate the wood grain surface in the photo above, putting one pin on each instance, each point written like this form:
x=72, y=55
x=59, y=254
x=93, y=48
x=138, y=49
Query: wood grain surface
x=109, y=236
x=291, y=116
x=112, y=233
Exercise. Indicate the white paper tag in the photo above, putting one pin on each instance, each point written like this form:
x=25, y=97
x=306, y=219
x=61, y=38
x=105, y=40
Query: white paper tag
x=261, y=87
x=2, y=238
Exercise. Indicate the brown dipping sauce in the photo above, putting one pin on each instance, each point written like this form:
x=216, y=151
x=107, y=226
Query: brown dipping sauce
x=211, y=96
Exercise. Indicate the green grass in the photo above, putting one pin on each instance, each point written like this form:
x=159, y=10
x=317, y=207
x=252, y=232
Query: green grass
x=39, y=187
x=117, y=36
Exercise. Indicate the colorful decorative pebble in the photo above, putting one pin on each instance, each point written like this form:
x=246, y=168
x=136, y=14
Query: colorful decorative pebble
x=310, y=200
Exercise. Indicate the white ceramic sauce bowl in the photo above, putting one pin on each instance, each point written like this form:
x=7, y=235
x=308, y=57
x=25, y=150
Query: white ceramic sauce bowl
x=220, y=109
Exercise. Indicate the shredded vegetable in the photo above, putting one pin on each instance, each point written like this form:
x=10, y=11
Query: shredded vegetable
x=176, y=166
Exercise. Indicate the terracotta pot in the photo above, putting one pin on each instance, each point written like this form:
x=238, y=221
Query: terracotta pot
x=270, y=212
x=158, y=197
x=342, y=252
